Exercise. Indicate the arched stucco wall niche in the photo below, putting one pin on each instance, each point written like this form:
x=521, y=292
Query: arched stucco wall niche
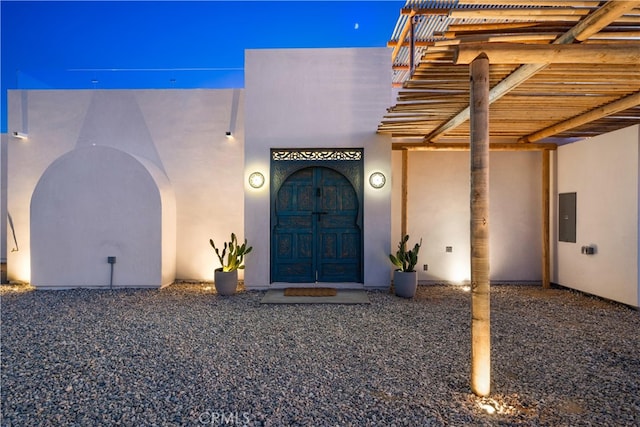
x=97, y=202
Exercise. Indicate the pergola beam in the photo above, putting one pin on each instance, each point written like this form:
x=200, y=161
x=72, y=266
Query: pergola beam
x=523, y=53
x=599, y=19
x=456, y=28
x=590, y=25
x=600, y=112
x=454, y=146
x=425, y=11
x=406, y=43
x=544, y=15
x=529, y=3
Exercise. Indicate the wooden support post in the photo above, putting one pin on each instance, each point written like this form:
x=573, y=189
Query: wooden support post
x=405, y=191
x=479, y=201
x=546, y=280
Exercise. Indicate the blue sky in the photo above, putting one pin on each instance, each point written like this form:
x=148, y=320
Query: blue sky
x=169, y=44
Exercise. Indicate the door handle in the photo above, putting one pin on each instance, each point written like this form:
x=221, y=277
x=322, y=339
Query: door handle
x=319, y=214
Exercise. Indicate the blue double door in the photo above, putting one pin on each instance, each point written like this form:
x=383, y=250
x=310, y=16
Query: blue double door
x=316, y=235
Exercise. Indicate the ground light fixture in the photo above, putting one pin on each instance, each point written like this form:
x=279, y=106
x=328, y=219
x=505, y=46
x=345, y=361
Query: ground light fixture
x=256, y=180
x=377, y=180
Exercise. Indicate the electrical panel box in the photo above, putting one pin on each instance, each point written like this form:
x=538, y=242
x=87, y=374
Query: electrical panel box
x=588, y=250
x=567, y=217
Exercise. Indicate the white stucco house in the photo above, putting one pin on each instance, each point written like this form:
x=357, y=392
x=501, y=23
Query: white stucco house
x=148, y=176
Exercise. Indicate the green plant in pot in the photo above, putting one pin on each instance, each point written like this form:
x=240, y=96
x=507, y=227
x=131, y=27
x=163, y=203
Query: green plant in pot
x=405, y=277
x=231, y=259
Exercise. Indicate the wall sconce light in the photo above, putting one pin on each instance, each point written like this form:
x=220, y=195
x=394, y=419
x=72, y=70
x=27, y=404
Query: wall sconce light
x=20, y=135
x=228, y=134
x=256, y=180
x=377, y=180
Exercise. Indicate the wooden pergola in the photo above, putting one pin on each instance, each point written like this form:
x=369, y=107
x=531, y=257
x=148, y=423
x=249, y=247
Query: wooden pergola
x=545, y=71
x=558, y=71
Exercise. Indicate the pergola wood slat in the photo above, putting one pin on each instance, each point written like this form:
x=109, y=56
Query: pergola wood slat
x=531, y=97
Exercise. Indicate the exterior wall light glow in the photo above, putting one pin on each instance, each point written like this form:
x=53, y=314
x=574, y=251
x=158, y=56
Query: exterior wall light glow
x=377, y=180
x=228, y=134
x=256, y=180
x=20, y=135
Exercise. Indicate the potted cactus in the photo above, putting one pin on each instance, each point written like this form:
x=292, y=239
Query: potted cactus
x=405, y=277
x=226, y=276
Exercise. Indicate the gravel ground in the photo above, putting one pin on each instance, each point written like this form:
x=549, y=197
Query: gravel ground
x=186, y=356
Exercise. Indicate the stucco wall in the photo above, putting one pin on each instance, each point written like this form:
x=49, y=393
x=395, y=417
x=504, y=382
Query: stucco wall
x=603, y=172
x=180, y=132
x=99, y=202
x=301, y=98
x=439, y=212
x=330, y=98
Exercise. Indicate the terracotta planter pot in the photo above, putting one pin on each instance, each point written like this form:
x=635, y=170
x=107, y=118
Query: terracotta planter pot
x=405, y=283
x=226, y=282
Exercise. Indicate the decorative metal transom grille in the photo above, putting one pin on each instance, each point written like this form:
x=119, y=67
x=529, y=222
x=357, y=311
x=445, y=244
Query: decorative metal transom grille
x=317, y=154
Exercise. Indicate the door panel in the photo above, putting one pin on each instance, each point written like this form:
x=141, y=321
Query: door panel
x=316, y=236
x=293, y=235
x=337, y=229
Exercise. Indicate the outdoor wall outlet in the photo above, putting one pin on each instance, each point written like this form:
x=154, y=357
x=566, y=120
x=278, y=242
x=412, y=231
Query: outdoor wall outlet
x=111, y=260
x=448, y=248
x=425, y=267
